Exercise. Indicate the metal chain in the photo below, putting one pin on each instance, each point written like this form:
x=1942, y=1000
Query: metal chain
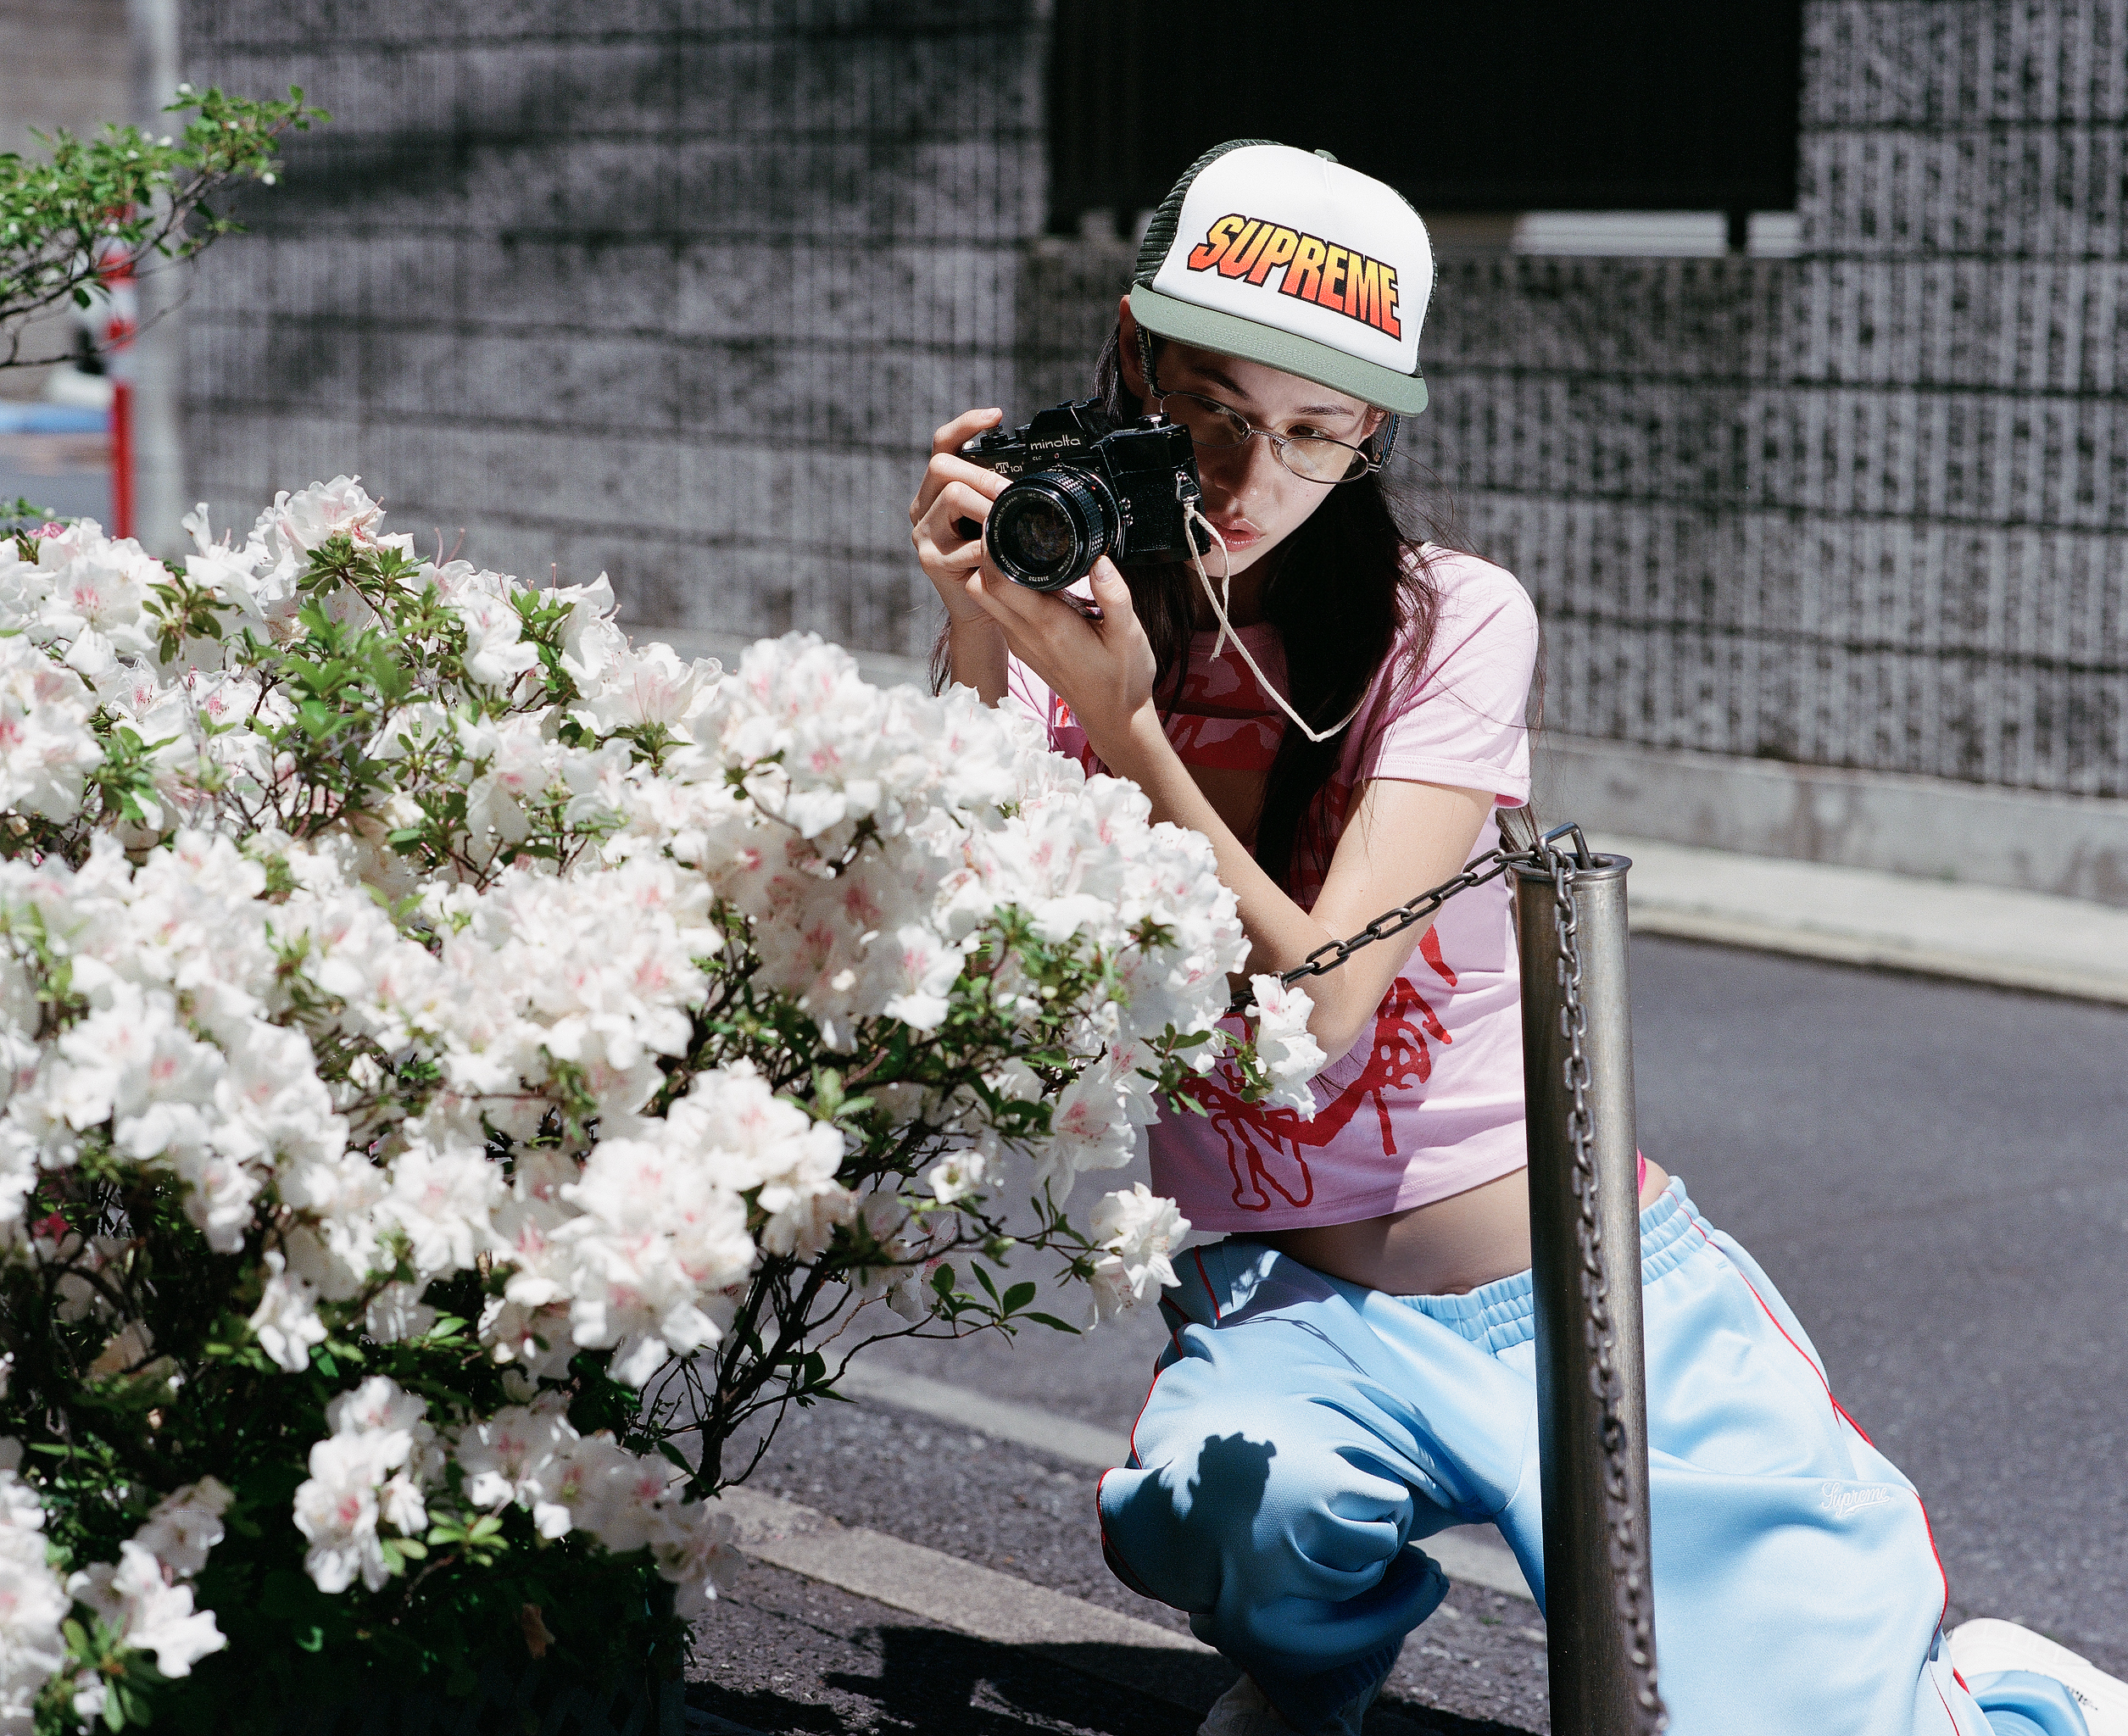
x=1333, y=953
x=1629, y=1557
x=1390, y=923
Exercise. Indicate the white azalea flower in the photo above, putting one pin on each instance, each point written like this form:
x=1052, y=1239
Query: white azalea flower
x=1136, y=1229
x=33, y=1602
x=148, y=1612
x=1290, y=1054
x=650, y=686
x=185, y=1525
x=518, y=1456
x=370, y=1474
x=286, y=1320
x=46, y=749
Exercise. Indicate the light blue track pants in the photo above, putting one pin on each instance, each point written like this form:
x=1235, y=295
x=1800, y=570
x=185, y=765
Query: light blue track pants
x=1302, y=1435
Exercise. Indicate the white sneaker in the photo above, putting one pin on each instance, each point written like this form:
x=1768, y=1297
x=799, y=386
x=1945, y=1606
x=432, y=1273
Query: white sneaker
x=1244, y=1710
x=1985, y=1644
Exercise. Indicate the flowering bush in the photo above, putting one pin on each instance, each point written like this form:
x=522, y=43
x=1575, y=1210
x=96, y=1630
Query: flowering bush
x=459, y=1070
x=97, y=212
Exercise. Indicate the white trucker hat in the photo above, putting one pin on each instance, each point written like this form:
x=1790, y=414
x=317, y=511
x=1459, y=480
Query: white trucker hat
x=1289, y=259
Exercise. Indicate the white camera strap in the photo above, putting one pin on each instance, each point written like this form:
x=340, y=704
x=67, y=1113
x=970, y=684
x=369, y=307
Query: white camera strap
x=1219, y=598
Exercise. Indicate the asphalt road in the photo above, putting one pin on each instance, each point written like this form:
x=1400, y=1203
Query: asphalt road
x=1932, y=1173
x=69, y=474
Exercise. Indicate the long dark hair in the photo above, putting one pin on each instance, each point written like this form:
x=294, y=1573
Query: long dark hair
x=1349, y=584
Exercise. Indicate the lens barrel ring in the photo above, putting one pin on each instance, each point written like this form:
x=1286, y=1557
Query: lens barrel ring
x=1046, y=529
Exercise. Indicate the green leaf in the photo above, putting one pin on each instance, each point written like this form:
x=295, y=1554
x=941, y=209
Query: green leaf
x=1019, y=1297
x=1053, y=1322
x=982, y=1277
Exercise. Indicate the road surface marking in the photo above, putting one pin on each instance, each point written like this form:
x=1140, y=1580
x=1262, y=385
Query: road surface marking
x=1060, y=1437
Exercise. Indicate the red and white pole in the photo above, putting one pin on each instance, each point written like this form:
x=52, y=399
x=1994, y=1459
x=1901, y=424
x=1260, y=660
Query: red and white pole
x=121, y=322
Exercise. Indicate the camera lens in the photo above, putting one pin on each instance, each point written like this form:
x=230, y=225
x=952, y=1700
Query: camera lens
x=1047, y=530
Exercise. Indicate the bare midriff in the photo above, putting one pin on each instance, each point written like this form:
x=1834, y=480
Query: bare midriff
x=1445, y=1248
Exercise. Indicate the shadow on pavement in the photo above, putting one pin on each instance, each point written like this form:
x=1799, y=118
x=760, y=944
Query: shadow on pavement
x=942, y=1684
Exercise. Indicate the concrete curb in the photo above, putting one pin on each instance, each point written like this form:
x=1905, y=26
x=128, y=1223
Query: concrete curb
x=1992, y=935
x=1157, y=1662
x=1173, y=1667
x=938, y=1587
x=1935, y=829
x=1060, y=1436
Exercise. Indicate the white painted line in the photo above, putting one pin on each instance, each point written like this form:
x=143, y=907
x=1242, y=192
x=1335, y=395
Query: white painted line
x=940, y=1588
x=1062, y=1437
x=1471, y=1554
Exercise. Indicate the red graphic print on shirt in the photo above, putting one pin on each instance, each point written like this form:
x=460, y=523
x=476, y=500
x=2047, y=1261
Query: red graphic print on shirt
x=1224, y=720
x=1266, y=1148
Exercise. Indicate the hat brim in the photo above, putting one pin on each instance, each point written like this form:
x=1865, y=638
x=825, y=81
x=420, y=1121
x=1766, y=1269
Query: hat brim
x=1230, y=335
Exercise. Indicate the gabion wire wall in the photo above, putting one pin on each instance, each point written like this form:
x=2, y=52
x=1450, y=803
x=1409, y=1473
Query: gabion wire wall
x=1868, y=507
x=677, y=289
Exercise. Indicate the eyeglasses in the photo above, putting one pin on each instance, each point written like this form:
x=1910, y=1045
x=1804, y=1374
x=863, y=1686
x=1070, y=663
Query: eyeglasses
x=1314, y=457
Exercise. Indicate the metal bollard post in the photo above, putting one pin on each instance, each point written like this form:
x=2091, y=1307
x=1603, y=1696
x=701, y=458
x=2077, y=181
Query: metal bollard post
x=1585, y=1237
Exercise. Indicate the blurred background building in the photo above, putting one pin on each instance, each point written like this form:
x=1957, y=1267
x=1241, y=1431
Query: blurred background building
x=1774, y=346
x=69, y=66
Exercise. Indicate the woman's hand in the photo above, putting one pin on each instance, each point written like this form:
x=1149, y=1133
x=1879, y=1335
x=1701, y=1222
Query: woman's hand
x=1101, y=665
x=955, y=495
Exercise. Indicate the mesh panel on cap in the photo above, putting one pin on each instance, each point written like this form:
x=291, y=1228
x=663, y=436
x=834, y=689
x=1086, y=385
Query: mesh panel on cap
x=1159, y=234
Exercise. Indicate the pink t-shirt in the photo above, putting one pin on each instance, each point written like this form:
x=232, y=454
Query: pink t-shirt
x=1431, y=1104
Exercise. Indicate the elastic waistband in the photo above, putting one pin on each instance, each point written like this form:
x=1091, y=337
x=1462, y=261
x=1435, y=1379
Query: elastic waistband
x=1501, y=1315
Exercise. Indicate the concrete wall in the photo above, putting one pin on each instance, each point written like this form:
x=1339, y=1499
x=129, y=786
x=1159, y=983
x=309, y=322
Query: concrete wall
x=672, y=288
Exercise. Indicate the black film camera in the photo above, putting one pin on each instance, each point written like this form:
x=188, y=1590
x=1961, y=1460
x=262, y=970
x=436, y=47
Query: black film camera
x=1084, y=485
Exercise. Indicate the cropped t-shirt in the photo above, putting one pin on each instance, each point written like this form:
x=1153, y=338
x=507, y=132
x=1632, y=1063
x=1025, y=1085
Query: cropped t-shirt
x=1431, y=1103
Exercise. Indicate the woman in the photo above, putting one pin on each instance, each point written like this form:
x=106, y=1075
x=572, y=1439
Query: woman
x=1352, y=1369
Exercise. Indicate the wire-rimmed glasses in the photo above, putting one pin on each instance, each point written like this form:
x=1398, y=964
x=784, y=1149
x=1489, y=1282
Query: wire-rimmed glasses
x=1314, y=457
